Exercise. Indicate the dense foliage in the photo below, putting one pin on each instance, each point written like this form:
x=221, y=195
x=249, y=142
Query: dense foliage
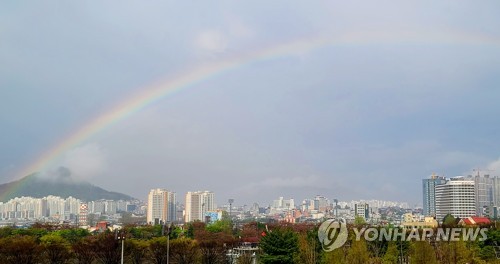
x=207, y=244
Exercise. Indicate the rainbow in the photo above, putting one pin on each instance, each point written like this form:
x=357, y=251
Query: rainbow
x=190, y=77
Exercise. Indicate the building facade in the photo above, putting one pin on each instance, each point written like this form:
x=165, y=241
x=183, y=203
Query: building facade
x=483, y=188
x=362, y=210
x=161, y=206
x=456, y=197
x=429, y=193
x=198, y=204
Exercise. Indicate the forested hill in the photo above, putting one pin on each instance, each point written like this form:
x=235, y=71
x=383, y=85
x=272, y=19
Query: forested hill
x=60, y=184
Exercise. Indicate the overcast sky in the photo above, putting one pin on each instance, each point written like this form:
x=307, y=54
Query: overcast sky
x=413, y=90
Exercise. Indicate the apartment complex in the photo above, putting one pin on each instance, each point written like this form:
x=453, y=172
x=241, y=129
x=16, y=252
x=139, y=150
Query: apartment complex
x=161, y=206
x=198, y=204
x=38, y=208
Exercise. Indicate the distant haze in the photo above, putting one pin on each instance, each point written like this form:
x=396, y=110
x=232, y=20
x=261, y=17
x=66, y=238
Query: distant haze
x=414, y=90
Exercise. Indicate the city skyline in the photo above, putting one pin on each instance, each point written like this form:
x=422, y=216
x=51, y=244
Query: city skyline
x=325, y=98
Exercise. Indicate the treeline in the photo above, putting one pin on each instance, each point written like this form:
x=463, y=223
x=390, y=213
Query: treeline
x=196, y=243
x=205, y=244
x=286, y=244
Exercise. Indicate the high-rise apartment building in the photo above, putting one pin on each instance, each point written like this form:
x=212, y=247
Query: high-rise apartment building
x=496, y=191
x=483, y=188
x=456, y=197
x=282, y=204
x=161, y=206
x=429, y=193
x=83, y=217
x=362, y=210
x=198, y=204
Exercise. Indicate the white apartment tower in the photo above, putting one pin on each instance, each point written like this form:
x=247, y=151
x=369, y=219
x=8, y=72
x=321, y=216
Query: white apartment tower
x=198, y=204
x=161, y=206
x=456, y=197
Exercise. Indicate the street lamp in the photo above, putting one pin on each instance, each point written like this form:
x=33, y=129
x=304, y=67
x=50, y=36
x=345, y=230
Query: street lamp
x=120, y=235
x=168, y=225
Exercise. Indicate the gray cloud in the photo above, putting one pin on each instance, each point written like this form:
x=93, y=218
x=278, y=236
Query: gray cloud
x=410, y=89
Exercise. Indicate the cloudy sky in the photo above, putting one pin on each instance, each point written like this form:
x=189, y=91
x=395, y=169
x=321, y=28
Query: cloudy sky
x=402, y=89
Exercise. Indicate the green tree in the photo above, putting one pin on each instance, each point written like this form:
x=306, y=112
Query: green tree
x=56, y=249
x=454, y=252
x=449, y=221
x=336, y=256
x=213, y=246
x=6, y=231
x=404, y=248
x=190, y=231
x=84, y=250
x=377, y=247
x=137, y=250
x=73, y=234
x=158, y=248
x=488, y=253
x=279, y=246
x=19, y=250
x=32, y=232
x=422, y=253
x=184, y=251
x=358, y=253
x=391, y=255
x=220, y=226
x=310, y=250
x=212, y=252
x=107, y=248
x=358, y=220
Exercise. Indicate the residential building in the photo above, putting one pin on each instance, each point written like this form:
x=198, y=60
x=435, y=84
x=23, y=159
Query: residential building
x=429, y=193
x=161, y=206
x=198, y=204
x=362, y=210
x=282, y=204
x=84, y=212
x=456, y=197
x=410, y=222
x=483, y=189
x=30, y=208
x=474, y=221
x=496, y=191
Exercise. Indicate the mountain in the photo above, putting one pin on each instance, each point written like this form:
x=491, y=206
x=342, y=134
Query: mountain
x=59, y=183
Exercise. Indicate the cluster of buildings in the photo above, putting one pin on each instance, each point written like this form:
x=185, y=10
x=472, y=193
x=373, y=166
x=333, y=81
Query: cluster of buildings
x=461, y=196
x=163, y=207
x=321, y=207
x=40, y=208
x=56, y=209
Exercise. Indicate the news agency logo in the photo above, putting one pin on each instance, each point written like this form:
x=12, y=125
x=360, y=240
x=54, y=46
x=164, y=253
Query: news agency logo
x=332, y=234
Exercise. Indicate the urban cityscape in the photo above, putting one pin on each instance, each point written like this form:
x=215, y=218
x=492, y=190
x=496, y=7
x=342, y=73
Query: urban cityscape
x=460, y=196
x=471, y=200
x=258, y=132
